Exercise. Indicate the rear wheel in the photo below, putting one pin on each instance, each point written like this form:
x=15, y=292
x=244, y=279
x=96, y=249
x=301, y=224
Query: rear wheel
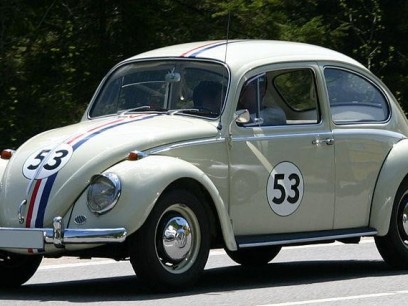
x=16, y=269
x=170, y=250
x=394, y=246
x=254, y=256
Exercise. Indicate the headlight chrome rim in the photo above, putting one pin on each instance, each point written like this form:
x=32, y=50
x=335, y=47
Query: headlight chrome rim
x=99, y=185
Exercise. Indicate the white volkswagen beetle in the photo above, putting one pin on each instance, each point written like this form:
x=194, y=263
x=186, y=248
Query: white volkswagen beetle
x=246, y=145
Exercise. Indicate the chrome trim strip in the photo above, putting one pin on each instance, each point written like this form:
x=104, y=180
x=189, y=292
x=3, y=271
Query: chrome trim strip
x=262, y=137
x=306, y=240
x=185, y=144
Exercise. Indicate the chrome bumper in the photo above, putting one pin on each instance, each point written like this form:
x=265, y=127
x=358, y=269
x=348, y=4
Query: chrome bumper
x=37, y=238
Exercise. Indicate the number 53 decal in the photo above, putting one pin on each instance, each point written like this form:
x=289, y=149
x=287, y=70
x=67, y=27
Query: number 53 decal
x=46, y=162
x=285, y=188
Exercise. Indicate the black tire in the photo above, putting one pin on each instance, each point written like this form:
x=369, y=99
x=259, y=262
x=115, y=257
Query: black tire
x=170, y=250
x=393, y=247
x=254, y=256
x=16, y=269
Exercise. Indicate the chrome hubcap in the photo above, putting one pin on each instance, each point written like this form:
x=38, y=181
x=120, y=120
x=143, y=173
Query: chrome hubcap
x=177, y=239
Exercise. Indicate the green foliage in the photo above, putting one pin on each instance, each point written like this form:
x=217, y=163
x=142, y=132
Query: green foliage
x=53, y=53
x=365, y=22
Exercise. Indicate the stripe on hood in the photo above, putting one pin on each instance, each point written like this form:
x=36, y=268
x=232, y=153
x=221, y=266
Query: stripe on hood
x=42, y=187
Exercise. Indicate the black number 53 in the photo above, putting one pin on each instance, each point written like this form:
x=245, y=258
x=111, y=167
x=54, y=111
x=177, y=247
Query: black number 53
x=46, y=162
x=52, y=164
x=278, y=184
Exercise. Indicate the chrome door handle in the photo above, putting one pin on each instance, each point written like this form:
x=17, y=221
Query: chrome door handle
x=327, y=141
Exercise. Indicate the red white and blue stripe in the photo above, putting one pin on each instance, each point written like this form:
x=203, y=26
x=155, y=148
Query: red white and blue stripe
x=206, y=47
x=42, y=187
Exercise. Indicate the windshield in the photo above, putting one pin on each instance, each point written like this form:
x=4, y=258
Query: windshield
x=186, y=87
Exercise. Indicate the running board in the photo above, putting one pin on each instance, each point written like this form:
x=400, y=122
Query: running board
x=251, y=241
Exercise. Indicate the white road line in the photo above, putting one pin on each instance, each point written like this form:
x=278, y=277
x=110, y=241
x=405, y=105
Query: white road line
x=215, y=252
x=88, y=262
x=337, y=299
x=322, y=245
x=79, y=264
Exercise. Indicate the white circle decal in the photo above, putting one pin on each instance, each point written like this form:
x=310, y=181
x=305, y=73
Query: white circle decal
x=44, y=163
x=285, y=188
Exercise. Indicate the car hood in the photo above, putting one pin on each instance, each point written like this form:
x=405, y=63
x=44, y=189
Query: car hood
x=52, y=169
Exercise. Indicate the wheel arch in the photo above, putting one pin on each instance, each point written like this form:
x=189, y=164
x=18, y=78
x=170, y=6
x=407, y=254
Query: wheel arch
x=394, y=172
x=168, y=173
x=192, y=185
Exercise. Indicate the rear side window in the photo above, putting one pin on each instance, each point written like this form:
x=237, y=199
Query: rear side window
x=353, y=98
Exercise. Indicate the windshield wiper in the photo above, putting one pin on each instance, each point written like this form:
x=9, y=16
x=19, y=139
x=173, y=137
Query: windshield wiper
x=139, y=109
x=193, y=111
x=183, y=110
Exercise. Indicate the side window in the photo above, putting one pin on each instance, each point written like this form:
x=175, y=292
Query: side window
x=353, y=98
x=297, y=91
x=280, y=97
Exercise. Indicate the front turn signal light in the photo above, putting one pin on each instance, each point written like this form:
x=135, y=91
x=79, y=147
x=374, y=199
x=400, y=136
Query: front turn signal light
x=135, y=155
x=7, y=154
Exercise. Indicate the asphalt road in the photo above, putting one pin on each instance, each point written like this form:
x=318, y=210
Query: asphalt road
x=333, y=274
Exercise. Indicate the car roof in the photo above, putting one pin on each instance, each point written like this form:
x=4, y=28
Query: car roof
x=237, y=53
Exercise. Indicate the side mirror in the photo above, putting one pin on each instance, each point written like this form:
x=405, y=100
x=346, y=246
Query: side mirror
x=242, y=116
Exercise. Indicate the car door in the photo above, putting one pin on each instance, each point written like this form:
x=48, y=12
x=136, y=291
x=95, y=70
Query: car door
x=282, y=169
x=360, y=113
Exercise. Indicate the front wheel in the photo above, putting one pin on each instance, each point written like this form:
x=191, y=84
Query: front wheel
x=170, y=250
x=394, y=246
x=16, y=269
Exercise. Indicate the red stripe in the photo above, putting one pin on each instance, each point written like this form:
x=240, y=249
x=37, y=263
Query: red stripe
x=203, y=46
x=93, y=129
x=107, y=125
x=32, y=201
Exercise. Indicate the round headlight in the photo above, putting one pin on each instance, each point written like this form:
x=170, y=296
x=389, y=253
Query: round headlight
x=103, y=192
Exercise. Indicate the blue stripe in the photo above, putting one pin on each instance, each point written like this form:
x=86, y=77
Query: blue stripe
x=212, y=47
x=79, y=143
x=206, y=48
x=39, y=221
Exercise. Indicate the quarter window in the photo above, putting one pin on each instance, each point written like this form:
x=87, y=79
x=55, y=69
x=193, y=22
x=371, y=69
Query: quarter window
x=353, y=98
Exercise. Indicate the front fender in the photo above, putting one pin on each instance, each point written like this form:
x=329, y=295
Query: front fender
x=143, y=181
x=393, y=172
x=3, y=165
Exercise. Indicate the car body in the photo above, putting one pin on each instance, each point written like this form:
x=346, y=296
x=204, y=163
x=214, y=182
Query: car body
x=249, y=145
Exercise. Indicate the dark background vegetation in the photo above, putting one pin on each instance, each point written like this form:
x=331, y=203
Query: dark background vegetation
x=54, y=53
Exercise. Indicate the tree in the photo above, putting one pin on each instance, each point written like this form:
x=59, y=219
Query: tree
x=53, y=53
